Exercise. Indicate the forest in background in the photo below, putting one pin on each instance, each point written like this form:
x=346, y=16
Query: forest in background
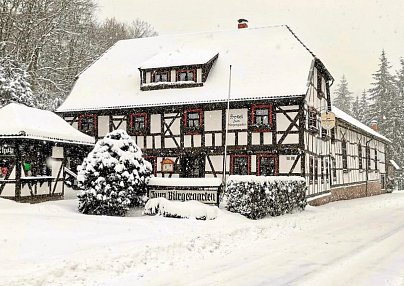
x=45, y=44
x=382, y=102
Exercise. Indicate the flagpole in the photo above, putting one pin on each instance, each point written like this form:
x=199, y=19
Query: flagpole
x=226, y=132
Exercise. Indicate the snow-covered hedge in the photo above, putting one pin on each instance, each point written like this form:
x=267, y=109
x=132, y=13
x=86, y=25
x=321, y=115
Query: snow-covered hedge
x=177, y=209
x=258, y=196
x=113, y=176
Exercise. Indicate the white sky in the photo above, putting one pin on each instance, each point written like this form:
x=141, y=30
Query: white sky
x=347, y=35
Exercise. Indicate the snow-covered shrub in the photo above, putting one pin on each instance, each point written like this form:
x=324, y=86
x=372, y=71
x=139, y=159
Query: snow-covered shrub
x=113, y=177
x=258, y=196
x=177, y=209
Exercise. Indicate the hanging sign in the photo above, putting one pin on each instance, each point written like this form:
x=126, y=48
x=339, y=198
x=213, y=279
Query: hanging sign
x=328, y=120
x=238, y=119
x=6, y=150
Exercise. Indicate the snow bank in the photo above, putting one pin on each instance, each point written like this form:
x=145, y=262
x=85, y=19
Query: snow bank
x=189, y=209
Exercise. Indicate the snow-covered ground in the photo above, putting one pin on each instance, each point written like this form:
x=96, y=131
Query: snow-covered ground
x=357, y=242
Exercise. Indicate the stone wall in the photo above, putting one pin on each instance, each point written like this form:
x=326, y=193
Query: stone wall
x=349, y=192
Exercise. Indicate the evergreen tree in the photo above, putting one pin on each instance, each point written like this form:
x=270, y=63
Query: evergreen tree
x=113, y=176
x=14, y=85
x=363, y=109
x=343, y=98
x=386, y=107
x=355, y=109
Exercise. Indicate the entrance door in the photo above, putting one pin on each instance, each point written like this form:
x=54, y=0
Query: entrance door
x=193, y=166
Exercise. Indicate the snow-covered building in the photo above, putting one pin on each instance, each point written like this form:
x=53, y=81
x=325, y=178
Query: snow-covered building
x=170, y=93
x=35, y=147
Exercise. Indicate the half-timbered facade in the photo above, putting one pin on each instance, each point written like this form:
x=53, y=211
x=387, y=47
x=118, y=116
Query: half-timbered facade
x=33, y=158
x=177, y=96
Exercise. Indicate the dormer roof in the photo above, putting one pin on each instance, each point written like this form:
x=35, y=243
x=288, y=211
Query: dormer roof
x=179, y=57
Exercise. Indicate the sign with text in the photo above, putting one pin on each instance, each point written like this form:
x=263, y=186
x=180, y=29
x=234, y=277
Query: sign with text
x=205, y=196
x=238, y=119
x=328, y=120
x=6, y=150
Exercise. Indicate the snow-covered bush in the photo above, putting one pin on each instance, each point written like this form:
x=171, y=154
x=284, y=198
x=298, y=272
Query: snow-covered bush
x=113, y=177
x=258, y=196
x=177, y=209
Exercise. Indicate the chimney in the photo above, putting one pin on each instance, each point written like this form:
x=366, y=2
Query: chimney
x=374, y=126
x=242, y=23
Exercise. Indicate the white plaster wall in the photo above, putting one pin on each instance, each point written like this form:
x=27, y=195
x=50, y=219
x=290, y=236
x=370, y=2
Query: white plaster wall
x=242, y=138
x=187, y=140
x=103, y=125
x=157, y=141
x=198, y=75
x=149, y=142
x=255, y=138
x=208, y=139
x=217, y=162
x=155, y=123
x=148, y=77
x=197, y=140
x=218, y=139
x=213, y=120
x=282, y=122
x=289, y=139
x=231, y=138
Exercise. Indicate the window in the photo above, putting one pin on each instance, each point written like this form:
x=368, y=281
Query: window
x=319, y=84
x=311, y=174
x=313, y=120
x=360, y=156
x=333, y=135
x=334, y=170
x=88, y=124
x=137, y=124
x=315, y=170
x=375, y=159
x=267, y=165
x=324, y=134
x=240, y=165
x=193, y=120
x=186, y=75
x=322, y=161
x=261, y=117
x=193, y=166
x=367, y=158
x=161, y=76
x=344, y=156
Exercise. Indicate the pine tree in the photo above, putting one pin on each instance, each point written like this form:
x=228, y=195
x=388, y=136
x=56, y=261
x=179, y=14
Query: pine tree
x=386, y=108
x=14, y=85
x=363, y=109
x=343, y=96
x=356, y=108
x=113, y=176
x=382, y=93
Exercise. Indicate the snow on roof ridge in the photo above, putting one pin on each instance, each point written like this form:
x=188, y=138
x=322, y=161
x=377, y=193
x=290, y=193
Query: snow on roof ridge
x=355, y=122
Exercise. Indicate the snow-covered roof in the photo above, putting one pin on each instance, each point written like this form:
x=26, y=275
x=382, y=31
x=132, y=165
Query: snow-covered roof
x=266, y=62
x=179, y=57
x=395, y=165
x=20, y=121
x=356, y=123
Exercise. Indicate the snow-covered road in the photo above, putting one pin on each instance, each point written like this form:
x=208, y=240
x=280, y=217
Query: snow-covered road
x=357, y=242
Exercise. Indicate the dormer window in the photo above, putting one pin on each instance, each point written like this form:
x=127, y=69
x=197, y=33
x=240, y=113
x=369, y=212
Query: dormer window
x=161, y=76
x=186, y=75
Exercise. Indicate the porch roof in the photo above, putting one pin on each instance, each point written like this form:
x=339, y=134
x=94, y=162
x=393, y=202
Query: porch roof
x=20, y=121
